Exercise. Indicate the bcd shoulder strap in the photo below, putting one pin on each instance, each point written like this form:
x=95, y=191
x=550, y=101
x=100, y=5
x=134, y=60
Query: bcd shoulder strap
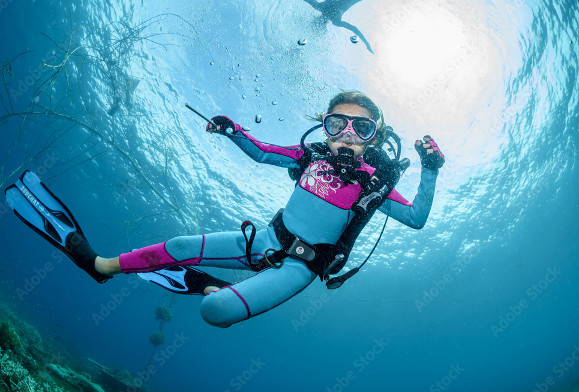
x=387, y=174
x=305, y=160
x=382, y=181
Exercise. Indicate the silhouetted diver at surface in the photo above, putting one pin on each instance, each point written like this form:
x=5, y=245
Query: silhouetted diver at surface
x=333, y=10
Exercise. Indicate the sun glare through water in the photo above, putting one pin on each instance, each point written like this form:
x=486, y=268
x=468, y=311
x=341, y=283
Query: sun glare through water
x=418, y=49
x=439, y=68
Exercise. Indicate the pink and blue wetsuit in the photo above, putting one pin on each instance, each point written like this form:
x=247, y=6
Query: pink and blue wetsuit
x=318, y=211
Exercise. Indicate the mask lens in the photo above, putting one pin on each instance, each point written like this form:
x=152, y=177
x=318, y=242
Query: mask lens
x=334, y=125
x=364, y=128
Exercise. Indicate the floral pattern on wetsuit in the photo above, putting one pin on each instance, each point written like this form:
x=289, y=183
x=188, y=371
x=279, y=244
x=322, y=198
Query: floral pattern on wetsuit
x=329, y=187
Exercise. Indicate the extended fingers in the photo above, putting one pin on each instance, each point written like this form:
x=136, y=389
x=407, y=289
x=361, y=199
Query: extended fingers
x=429, y=145
x=428, y=158
x=211, y=129
x=419, y=143
x=429, y=142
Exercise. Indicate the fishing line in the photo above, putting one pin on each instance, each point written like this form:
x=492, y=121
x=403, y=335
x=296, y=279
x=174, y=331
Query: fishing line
x=236, y=136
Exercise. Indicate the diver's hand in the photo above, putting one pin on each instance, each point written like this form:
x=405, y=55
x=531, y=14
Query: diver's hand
x=224, y=126
x=430, y=155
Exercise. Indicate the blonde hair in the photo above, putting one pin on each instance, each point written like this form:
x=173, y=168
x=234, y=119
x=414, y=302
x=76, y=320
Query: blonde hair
x=359, y=98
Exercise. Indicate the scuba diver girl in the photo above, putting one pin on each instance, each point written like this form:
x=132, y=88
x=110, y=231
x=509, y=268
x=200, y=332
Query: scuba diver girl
x=340, y=184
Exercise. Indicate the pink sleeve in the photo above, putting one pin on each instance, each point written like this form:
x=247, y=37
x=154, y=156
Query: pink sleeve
x=397, y=197
x=294, y=152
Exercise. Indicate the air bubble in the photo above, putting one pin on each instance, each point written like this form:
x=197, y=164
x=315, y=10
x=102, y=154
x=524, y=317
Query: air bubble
x=258, y=118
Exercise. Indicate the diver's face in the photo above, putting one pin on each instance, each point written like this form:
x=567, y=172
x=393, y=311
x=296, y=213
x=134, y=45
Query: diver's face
x=348, y=138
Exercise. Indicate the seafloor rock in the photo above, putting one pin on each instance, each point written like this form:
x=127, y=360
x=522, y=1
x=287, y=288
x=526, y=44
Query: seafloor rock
x=75, y=379
x=118, y=380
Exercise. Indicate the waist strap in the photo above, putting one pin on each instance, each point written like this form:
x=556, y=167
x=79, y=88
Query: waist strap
x=322, y=259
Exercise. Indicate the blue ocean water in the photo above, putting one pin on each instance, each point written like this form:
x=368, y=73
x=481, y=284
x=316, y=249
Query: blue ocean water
x=484, y=298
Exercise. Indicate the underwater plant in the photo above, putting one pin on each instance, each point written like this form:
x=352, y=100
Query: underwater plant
x=109, y=54
x=163, y=314
x=157, y=338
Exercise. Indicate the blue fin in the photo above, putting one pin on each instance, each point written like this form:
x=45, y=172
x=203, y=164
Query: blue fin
x=182, y=279
x=42, y=211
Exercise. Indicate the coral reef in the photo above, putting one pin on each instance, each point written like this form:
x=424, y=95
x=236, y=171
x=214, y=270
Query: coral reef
x=9, y=338
x=18, y=345
x=28, y=363
x=15, y=377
